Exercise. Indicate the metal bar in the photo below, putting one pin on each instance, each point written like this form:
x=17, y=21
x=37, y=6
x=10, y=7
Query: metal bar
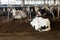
x=58, y=13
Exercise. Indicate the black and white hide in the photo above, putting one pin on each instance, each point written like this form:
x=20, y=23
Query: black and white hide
x=40, y=24
x=18, y=14
x=46, y=12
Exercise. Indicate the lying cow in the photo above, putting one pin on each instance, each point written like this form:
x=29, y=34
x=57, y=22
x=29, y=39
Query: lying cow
x=40, y=24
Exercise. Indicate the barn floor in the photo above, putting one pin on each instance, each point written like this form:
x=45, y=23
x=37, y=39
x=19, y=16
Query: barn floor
x=31, y=36
x=22, y=30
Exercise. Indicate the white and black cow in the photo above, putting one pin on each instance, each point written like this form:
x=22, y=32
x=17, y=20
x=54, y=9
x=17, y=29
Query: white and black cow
x=18, y=14
x=40, y=24
x=47, y=12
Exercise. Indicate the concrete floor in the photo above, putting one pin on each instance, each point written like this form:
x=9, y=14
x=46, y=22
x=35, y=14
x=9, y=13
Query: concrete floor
x=54, y=35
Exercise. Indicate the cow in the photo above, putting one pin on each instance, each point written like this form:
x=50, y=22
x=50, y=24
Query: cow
x=47, y=12
x=40, y=24
x=18, y=14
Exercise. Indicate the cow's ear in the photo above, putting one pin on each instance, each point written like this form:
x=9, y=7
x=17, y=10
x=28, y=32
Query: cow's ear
x=43, y=27
x=34, y=27
x=47, y=26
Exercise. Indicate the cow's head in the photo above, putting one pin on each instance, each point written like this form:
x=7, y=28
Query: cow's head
x=42, y=28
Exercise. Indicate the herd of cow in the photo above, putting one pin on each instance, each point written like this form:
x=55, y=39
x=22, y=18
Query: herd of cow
x=38, y=16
